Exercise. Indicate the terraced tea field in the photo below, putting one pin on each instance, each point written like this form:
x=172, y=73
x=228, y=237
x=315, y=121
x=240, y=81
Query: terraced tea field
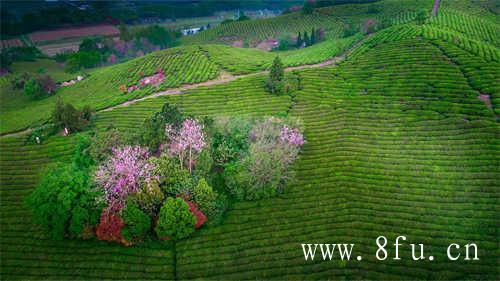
x=27, y=252
x=402, y=138
x=102, y=88
x=263, y=29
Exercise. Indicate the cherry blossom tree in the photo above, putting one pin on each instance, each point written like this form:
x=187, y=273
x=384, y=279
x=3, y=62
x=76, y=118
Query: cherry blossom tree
x=291, y=136
x=123, y=174
x=187, y=143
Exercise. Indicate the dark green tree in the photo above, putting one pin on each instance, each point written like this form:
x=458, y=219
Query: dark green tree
x=274, y=83
x=308, y=7
x=313, y=36
x=307, y=40
x=124, y=32
x=299, y=40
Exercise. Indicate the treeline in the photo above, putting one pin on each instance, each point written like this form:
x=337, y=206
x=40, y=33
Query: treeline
x=100, y=11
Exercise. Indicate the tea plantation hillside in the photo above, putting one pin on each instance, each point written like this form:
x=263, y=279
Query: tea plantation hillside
x=103, y=87
x=402, y=138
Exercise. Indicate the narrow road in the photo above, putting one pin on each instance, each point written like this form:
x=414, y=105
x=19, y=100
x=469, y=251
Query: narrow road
x=225, y=77
x=435, y=8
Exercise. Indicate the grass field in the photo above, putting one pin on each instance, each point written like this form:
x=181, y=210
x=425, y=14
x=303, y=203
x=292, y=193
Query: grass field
x=398, y=143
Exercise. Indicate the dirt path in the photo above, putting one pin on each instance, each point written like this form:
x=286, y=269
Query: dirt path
x=225, y=77
x=435, y=8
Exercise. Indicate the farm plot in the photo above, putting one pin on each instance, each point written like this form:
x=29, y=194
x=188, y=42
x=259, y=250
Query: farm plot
x=385, y=155
x=263, y=29
x=102, y=88
x=9, y=43
x=27, y=252
x=73, y=32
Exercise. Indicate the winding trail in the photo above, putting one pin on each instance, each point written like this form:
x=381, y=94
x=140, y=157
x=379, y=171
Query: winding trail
x=435, y=8
x=225, y=77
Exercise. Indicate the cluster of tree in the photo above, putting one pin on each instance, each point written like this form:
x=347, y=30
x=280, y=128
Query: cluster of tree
x=317, y=35
x=59, y=13
x=277, y=83
x=241, y=17
x=158, y=182
x=97, y=51
x=14, y=54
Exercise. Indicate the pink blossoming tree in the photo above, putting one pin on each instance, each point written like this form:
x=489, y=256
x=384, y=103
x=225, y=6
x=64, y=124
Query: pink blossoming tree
x=187, y=143
x=123, y=174
x=291, y=136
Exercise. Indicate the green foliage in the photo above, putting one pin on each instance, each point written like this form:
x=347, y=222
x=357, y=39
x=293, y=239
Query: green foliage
x=33, y=90
x=173, y=177
x=175, y=220
x=152, y=133
x=422, y=17
x=204, y=164
x=103, y=144
x=137, y=223
x=274, y=83
x=124, y=32
x=149, y=198
x=15, y=54
x=308, y=7
x=82, y=158
x=230, y=140
x=67, y=116
x=89, y=45
x=64, y=202
x=205, y=197
x=158, y=35
x=82, y=59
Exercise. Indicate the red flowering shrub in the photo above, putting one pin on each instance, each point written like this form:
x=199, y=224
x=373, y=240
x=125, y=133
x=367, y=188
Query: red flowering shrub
x=200, y=216
x=110, y=227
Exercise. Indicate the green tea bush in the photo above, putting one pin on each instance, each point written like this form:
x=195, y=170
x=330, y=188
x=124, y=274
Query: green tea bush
x=137, y=223
x=175, y=221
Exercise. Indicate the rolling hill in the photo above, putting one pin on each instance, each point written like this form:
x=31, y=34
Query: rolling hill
x=402, y=139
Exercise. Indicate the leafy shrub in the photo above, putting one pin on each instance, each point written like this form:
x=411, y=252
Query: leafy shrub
x=205, y=197
x=149, y=198
x=110, y=227
x=81, y=158
x=67, y=116
x=263, y=170
x=172, y=176
x=36, y=88
x=33, y=90
x=137, y=223
x=48, y=84
x=230, y=140
x=64, y=202
x=175, y=220
x=19, y=80
x=199, y=215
